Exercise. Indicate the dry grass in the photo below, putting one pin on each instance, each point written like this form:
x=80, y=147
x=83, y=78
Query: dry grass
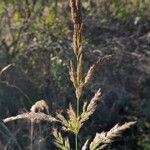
x=32, y=116
x=102, y=139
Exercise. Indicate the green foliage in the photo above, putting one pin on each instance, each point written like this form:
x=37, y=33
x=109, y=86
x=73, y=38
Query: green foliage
x=146, y=146
x=118, y=9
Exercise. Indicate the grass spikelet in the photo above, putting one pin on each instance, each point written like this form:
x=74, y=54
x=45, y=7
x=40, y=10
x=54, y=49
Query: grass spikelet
x=60, y=142
x=32, y=116
x=89, y=74
x=89, y=109
x=93, y=103
x=72, y=73
x=101, y=140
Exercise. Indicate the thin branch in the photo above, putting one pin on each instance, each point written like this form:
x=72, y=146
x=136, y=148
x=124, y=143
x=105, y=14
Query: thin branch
x=11, y=85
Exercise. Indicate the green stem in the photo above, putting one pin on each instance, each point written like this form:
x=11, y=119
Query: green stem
x=76, y=141
x=31, y=132
x=77, y=104
x=76, y=135
x=77, y=108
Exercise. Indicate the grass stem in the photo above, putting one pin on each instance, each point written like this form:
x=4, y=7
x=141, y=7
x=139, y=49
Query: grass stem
x=76, y=135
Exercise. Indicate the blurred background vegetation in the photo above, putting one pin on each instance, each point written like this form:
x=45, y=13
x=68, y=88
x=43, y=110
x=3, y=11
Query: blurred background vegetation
x=35, y=36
